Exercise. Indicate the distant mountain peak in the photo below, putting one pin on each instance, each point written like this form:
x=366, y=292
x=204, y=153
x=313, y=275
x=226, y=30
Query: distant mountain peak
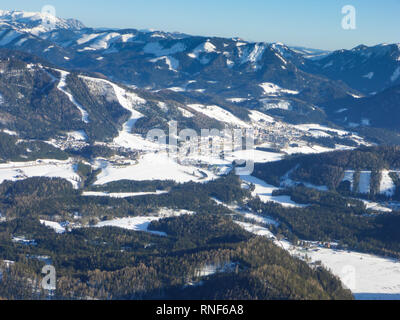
x=36, y=22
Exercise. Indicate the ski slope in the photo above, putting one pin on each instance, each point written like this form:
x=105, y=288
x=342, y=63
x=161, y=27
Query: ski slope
x=387, y=186
x=219, y=114
x=134, y=223
x=62, y=86
x=129, y=101
x=271, y=89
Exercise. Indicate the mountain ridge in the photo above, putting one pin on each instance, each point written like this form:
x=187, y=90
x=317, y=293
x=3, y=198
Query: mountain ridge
x=296, y=85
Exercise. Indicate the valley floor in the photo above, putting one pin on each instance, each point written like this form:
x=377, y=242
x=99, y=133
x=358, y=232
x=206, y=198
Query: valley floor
x=369, y=277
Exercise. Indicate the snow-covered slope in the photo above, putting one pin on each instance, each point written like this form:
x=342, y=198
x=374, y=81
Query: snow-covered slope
x=159, y=60
x=216, y=112
x=142, y=223
x=14, y=171
x=153, y=166
x=36, y=22
x=369, y=277
x=367, y=69
x=387, y=186
x=62, y=85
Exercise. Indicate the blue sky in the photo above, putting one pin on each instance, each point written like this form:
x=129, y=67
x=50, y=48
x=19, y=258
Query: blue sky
x=310, y=23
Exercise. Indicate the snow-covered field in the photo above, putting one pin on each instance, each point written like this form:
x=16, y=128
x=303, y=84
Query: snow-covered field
x=255, y=229
x=269, y=104
x=158, y=50
x=142, y=223
x=375, y=206
x=9, y=132
x=120, y=194
x=317, y=127
x=219, y=114
x=206, y=270
x=367, y=276
x=153, y=166
x=210, y=269
x=259, y=219
x=254, y=155
x=287, y=182
x=57, y=227
x=387, y=185
x=257, y=116
x=305, y=149
x=365, y=182
x=41, y=168
x=236, y=100
x=248, y=214
x=264, y=191
x=103, y=40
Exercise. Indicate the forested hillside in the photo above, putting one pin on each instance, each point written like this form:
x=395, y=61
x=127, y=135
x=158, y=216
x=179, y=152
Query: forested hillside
x=112, y=263
x=329, y=169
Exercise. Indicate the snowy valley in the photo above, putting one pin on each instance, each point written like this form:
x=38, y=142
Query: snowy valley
x=147, y=164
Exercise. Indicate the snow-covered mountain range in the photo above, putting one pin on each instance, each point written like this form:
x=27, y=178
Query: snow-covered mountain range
x=296, y=84
x=36, y=23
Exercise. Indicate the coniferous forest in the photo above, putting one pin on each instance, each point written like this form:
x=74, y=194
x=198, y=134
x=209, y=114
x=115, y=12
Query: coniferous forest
x=112, y=263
